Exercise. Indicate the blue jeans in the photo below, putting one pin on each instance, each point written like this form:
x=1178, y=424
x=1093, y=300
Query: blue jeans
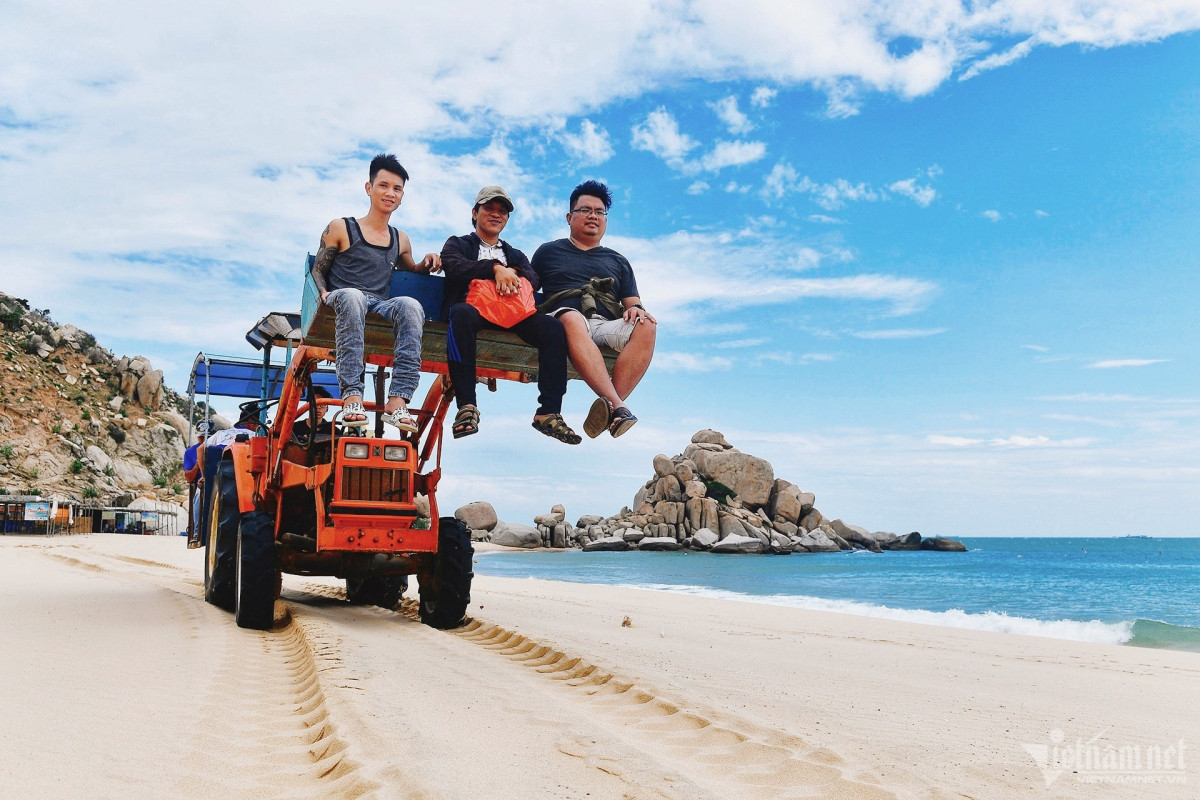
x=407, y=318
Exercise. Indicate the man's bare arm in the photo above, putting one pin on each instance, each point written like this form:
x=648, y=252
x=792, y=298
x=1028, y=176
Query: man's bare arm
x=432, y=262
x=330, y=247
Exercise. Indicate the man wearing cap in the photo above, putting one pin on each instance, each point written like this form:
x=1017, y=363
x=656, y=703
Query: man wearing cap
x=483, y=255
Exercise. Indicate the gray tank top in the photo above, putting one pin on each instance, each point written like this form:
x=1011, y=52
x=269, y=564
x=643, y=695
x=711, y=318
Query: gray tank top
x=363, y=265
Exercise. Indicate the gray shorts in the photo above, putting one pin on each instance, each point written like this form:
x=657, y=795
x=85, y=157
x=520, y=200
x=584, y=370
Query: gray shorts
x=610, y=333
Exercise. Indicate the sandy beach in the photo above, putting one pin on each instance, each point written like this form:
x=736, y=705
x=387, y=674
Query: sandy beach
x=119, y=681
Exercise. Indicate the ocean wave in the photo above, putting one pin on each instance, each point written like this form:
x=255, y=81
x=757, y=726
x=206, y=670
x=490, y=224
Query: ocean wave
x=1074, y=630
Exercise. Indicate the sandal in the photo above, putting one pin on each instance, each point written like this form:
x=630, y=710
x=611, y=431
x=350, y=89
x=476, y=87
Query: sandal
x=622, y=420
x=598, y=418
x=466, y=422
x=401, y=419
x=355, y=408
x=555, y=426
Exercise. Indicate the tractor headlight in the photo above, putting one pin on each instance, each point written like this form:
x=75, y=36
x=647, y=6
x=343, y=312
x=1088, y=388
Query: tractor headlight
x=356, y=450
x=395, y=452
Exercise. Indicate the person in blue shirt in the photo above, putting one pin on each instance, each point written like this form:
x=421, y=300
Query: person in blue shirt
x=591, y=289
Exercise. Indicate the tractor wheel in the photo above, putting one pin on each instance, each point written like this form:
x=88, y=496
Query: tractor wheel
x=220, y=567
x=257, y=575
x=382, y=590
x=446, y=592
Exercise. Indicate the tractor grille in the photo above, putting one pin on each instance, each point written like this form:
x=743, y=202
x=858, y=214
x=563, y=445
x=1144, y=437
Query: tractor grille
x=375, y=485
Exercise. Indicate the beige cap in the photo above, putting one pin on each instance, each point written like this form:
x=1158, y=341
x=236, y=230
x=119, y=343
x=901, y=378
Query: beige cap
x=489, y=193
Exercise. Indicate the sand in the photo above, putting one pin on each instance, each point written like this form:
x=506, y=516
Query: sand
x=117, y=680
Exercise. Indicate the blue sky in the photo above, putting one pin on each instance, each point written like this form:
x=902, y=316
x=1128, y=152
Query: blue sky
x=935, y=262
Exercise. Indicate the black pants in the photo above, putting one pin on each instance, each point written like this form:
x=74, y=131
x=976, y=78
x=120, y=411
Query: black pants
x=540, y=330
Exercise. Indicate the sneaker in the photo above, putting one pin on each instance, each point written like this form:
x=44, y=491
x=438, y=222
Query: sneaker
x=622, y=420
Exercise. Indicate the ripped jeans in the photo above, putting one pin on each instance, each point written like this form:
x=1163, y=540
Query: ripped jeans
x=408, y=320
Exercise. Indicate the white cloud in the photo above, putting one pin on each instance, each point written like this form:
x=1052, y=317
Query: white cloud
x=659, y=134
x=690, y=362
x=824, y=219
x=754, y=269
x=991, y=214
x=697, y=187
x=727, y=110
x=1007, y=442
x=762, y=96
x=921, y=195
x=1127, y=362
x=952, y=441
x=832, y=196
x=590, y=146
x=1037, y=348
x=900, y=333
x=732, y=154
x=779, y=180
x=783, y=179
x=1040, y=214
x=740, y=343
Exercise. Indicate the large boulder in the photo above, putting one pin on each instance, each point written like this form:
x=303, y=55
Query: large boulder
x=909, y=541
x=709, y=436
x=479, y=515
x=739, y=544
x=943, y=544
x=811, y=520
x=149, y=391
x=704, y=539
x=856, y=535
x=659, y=543
x=885, y=538
x=512, y=535
x=751, y=478
x=817, y=542
x=607, y=543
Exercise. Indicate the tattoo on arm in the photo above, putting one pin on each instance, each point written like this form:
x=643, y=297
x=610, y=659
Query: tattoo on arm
x=322, y=265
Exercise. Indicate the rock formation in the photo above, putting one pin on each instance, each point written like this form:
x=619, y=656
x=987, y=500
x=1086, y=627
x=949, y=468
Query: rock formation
x=710, y=497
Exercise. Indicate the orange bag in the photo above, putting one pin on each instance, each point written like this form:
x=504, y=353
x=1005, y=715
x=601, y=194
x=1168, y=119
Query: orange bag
x=503, y=310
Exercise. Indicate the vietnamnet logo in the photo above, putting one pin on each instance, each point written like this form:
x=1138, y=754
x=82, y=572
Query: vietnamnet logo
x=1100, y=761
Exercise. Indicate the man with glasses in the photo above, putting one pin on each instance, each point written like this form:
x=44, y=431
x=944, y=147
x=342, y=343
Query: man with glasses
x=591, y=290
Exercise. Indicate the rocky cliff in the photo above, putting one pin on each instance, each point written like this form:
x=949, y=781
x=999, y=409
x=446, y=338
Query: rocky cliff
x=78, y=423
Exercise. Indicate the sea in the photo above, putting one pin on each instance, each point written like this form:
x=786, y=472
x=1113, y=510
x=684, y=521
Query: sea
x=1143, y=592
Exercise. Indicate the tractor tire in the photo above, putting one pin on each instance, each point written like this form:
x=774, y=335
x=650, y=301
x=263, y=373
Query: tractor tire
x=446, y=591
x=384, y=591
x=257, y=573
x=220, y=552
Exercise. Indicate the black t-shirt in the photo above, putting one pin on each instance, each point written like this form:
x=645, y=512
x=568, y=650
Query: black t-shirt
x=562, y=265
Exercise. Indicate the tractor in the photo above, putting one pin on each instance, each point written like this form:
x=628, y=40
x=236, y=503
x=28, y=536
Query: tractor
x=307, y=496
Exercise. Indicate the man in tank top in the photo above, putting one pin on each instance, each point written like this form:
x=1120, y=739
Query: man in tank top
x=353, y=273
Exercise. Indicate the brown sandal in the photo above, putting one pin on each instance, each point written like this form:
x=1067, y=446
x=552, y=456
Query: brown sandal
x=555, y=426
x=466, y=422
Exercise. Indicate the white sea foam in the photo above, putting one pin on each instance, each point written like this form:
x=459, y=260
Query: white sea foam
x=1075, y=630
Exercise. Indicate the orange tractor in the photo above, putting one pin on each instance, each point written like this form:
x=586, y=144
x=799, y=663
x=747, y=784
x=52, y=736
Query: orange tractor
x=309, y=497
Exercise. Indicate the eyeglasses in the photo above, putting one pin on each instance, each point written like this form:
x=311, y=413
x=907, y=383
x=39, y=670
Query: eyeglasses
x=599, y=213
